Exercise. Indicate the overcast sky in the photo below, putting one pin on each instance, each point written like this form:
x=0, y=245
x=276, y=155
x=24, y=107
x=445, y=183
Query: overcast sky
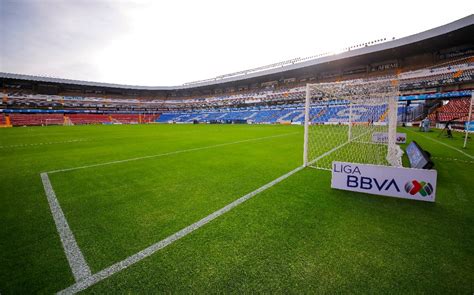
x=164, y=43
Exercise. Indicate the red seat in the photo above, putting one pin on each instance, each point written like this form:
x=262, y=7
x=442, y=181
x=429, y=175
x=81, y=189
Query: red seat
x=455, y=109
x=36, y=119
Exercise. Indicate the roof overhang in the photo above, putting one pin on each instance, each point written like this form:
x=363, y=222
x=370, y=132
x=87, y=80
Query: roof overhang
x=464, y=26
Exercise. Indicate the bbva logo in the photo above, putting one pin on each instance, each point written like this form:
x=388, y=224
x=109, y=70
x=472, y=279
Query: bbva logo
x=363, y=182
x=423, y=188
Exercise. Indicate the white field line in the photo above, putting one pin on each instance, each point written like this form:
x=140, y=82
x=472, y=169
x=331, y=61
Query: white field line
x=367, y=142
x=320, y=168
x=442, y=143
x=327, y=154
x=119, y=266
x=453, y=159
x=76, y=260
x=310, y=164
x=171, y=153
x=41, y=143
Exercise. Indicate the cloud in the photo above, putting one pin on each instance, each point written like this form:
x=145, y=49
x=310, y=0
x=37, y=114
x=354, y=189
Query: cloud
x=44, y=37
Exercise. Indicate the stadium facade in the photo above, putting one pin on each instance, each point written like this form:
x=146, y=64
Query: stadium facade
x=431, y=66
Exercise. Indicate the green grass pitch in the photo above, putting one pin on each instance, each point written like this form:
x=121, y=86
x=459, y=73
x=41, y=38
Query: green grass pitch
x=299, y=236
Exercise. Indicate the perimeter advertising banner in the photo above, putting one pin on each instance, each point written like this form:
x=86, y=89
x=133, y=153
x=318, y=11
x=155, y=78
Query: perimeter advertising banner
x=469, y=126
x=398, y=182
x=382, y=137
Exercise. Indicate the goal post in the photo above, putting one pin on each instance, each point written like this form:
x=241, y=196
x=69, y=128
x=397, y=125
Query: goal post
x=469, y=119
x=351, y=121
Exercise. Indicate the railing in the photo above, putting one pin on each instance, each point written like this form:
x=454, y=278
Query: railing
x=286, y=62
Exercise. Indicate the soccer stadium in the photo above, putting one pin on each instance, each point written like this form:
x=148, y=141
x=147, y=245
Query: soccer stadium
x=347, y=172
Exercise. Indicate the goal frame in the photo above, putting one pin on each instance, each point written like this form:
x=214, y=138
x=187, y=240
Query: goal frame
x=51, y=122
x=392, y=117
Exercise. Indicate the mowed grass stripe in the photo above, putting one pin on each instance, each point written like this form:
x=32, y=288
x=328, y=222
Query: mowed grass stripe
x=118, y=210
x=297, y=237
x=172, y=153
x=115, y=142
x=137, y=257
x=31, y=253
x=303, y=237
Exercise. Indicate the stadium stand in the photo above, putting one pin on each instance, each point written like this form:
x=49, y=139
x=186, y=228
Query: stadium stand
x=287, y=113
x=36, y=119
x=272, y=94
x=132, y=118
x=453, y=110
x=427, y=78
x=125, y=118
x=89, y=119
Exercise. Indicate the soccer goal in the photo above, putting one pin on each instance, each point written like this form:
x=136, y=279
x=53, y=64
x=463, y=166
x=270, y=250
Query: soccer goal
x=49, y=122
x=351, y=121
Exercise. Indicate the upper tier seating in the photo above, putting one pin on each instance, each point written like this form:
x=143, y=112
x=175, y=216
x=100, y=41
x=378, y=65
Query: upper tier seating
x=456, y=73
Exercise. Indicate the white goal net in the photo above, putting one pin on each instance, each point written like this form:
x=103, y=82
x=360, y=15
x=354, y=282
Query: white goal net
x=351, y=121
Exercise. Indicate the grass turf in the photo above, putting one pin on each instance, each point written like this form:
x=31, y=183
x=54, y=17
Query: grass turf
x=299, y=236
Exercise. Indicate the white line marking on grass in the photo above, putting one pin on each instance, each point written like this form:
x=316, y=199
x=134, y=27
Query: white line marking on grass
x=119, y=266
x=76, y=260
x=320, y=168
x=41, y=143
x=445, y=144
x=310, y=164
x=453, y=159
x=171, y=153
x=366, y=142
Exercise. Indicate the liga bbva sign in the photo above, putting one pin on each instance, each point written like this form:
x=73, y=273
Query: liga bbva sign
x=398, y=182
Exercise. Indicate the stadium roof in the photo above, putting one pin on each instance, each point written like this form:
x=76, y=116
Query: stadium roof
x=466, y=23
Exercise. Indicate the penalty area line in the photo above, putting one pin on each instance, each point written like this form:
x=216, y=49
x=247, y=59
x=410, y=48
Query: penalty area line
x=42, y=143
x=171, y=153
x=79, y=267
x=119, y=266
